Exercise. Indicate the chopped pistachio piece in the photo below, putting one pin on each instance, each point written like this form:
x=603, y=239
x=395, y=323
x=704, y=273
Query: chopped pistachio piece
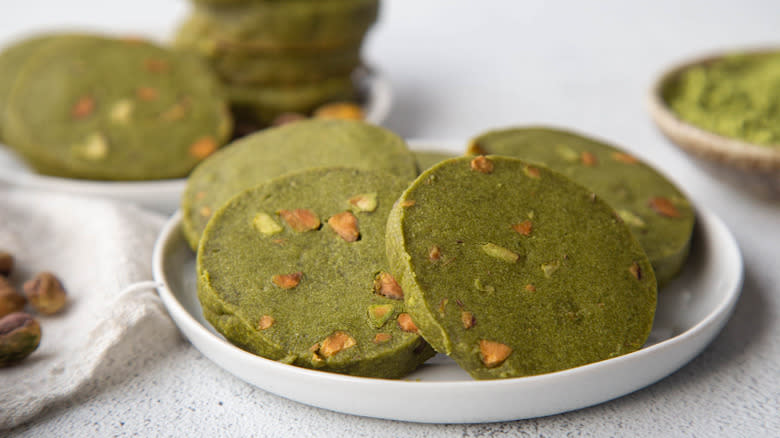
x=468, y=319
x=83, y=108
x=381, y=338
x=335, y=343
x=481, y=164
x=664, y=207
x=550, y=268
x=365, y=202
x=443, y=306
x=316, y=359
x=406, y=323
x=265, y=322
x=567, y=153
x=635, y=270
x=121, y=111
x=147, y=93
x=532, y=172
x=345, y=225
x=523, y=227
x=493, y=353
x=264, y=223
x=588, y=159
x=300, y=219
x=287, y=281
x=624, y=158
x=339, y=110
x=500, y=252
x=434, y=253
x=631, y=219
x=203, y=147
x=379, y=314
x=385, y=285
x=95, y=148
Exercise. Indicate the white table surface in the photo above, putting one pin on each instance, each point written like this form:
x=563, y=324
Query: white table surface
x=458, y=68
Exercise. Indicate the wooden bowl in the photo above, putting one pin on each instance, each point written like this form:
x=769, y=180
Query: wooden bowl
x=751, y=166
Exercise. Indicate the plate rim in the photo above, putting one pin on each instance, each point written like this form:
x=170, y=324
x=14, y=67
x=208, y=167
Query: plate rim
x=700, y=334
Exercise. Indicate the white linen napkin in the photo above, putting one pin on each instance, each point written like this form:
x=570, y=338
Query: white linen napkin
x=114, y=321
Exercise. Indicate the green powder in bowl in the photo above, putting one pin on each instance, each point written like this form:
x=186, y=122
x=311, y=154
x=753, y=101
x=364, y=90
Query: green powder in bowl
x=736, y=96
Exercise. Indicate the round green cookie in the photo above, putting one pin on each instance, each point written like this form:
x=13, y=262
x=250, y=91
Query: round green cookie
x=656, y=211
x=289, y=23
x=515, y=270
x=115, y=109
x=295, y=270
x=286, y=68
x=263, y=103
x=245, y=66
x=276, y=151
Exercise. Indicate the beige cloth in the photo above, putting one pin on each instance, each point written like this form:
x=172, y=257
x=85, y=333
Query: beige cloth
x=114, y=322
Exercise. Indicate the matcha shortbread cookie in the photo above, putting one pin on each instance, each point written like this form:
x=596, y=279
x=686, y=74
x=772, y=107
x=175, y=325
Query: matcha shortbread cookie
x=246, y=66
x=294, y=270
x=115, y=109
x=287, y=24
x=263, y=103
x=656, y=211
x=276, y=151
x=514, y=270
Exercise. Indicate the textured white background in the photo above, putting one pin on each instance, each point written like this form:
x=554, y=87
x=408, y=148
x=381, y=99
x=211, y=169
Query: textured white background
x=460, y=67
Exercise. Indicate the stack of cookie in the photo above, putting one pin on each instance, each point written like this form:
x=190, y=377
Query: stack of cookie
x=279, y=57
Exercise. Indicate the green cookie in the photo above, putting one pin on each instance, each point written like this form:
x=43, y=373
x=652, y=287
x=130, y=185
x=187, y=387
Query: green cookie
x=263, y=103
x=54, y=47
x=101, y=108
x=515, y=270
x=294, y=270
x=657, y=212
x=289, y=23
x=273, y=152
x=243, y=66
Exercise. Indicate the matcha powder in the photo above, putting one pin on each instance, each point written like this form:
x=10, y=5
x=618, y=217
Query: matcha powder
x=737, y=96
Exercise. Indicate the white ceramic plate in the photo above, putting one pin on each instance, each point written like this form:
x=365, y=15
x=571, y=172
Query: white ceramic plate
x=691, y=311
x=161, y=195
